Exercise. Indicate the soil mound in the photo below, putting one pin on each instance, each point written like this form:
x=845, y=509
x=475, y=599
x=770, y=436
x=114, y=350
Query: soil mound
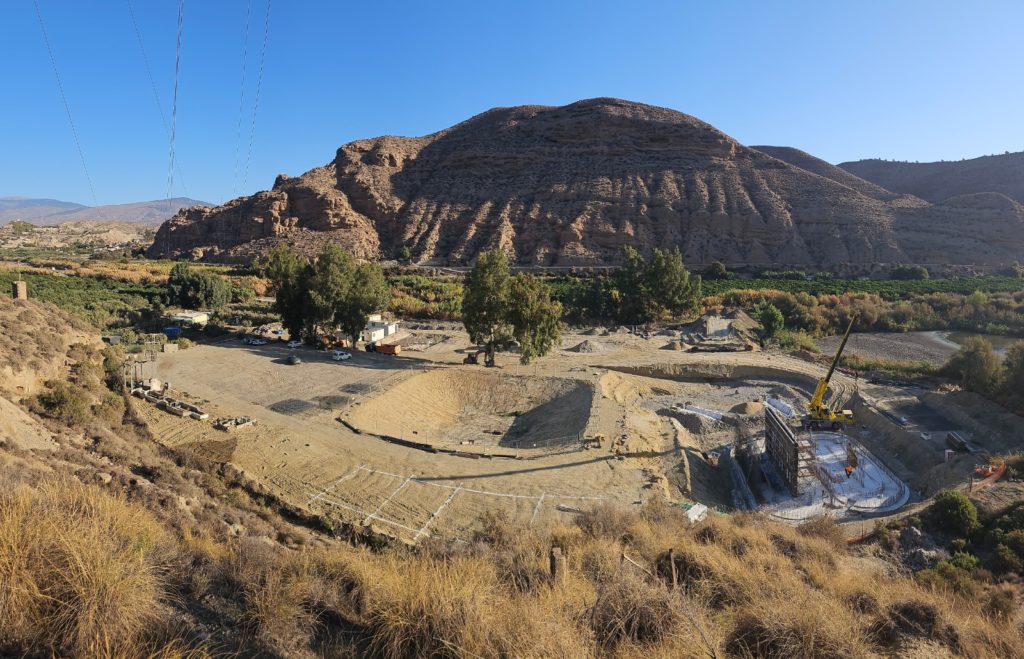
x=587, y=346
x=748, y=408
x=459, y=405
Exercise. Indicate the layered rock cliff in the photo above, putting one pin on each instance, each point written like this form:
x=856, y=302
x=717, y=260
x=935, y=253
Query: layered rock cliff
x=566, y=186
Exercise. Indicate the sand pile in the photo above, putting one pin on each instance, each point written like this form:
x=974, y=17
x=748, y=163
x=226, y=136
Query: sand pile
x=673, y=345
x=748, y=408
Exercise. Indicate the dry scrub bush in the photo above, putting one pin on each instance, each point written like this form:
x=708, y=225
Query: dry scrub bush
x=80, y=571
x=811, y=627
x=632, y=608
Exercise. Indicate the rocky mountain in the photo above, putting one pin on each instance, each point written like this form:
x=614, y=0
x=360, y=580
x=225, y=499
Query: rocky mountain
x=52, y=211
x=938, y=181
x=569, y=186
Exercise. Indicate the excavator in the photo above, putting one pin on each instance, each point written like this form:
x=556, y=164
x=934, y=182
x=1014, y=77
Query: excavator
x=821, y=415
x=474, y=358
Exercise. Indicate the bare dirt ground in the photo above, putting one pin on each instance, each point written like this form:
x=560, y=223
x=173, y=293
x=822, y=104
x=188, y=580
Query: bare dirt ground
x=300, y=450
x=909, y=346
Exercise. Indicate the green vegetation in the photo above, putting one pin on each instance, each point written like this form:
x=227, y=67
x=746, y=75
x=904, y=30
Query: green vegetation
x=909, y=273
x=497, y=307
x=65, y=403
x=332, y=291
x=953, y=513
x=888, y=289
x=418, y=296
x=977, y=367
x=770, y=318
x=716, y=271
x=534, y=317
x=646, y=291
x=797, y=340
x=102, y=302
x=892, y=367
x=194, y=289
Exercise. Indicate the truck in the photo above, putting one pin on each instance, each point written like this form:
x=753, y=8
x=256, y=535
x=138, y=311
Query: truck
x=384, y=348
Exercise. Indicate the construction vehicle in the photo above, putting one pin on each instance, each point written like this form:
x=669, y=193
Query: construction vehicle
x=332, y=342
x=474, y=358
x=819, y=414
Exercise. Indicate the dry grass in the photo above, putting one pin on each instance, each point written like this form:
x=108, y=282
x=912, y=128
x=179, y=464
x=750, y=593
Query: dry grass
x=86, y=573
x=80, y=571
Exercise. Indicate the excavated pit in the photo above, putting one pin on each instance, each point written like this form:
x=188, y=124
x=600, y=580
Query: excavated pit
x=462, y=406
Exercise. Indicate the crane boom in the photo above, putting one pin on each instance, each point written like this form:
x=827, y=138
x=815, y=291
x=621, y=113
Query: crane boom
x=818, y=410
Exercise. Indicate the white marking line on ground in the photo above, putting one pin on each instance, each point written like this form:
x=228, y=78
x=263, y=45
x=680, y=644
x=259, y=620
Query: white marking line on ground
x=363, y=513
x=493, y=494
x=437, y=512
x=536, y=509
x=373, y=515
x=335, y=484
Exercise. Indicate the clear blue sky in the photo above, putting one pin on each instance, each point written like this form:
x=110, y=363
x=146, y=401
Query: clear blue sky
x=908, y=79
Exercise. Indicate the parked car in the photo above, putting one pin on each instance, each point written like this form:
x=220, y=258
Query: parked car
x=277, y=332
x=294, y=344
x=294, y=360
x=257, y=342
x=341, y=355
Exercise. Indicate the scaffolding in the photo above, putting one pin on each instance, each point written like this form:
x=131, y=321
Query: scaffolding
x=793, y=457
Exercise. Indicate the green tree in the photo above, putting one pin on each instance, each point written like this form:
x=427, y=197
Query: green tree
x=534, y=317
x=716, y=271
x=954, y=513
x=367, y=292
x=646, y=291
x=327, y=286
x=909, y=273
x=194, y=289
x=771, y=319
x=1013, y=377
x=406, y=254
x=485, y=300
x=976, y=366
x=635, y=302
x=288, y=272
x=670, y=285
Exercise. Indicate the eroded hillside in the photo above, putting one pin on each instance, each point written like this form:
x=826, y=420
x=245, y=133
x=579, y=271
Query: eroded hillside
x=565, y=186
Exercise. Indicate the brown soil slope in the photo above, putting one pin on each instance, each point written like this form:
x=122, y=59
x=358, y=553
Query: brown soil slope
x=937, y=181
x=34, y=342
x=564, y=186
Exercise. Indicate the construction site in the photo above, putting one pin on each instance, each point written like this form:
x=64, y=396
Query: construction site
x=423, y=442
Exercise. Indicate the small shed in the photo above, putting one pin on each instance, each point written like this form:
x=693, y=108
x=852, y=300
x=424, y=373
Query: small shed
x=19, y=290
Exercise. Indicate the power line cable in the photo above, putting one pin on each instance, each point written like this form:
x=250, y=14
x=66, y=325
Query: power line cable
x=67, y=107
x=174, y=103
x=241, y=97
x=256, y=103
x=152, y=86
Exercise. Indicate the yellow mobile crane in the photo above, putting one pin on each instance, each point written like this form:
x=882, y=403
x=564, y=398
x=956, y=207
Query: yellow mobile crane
x=821, y=415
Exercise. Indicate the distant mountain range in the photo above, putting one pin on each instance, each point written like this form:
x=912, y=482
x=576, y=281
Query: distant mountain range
x=938, y=181
x=54, y=211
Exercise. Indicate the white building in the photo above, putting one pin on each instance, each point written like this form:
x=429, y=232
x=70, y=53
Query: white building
x=197, y=318
x=377, y=328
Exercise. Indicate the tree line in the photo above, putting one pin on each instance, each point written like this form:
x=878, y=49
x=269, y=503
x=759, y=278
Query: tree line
x=330, y=291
